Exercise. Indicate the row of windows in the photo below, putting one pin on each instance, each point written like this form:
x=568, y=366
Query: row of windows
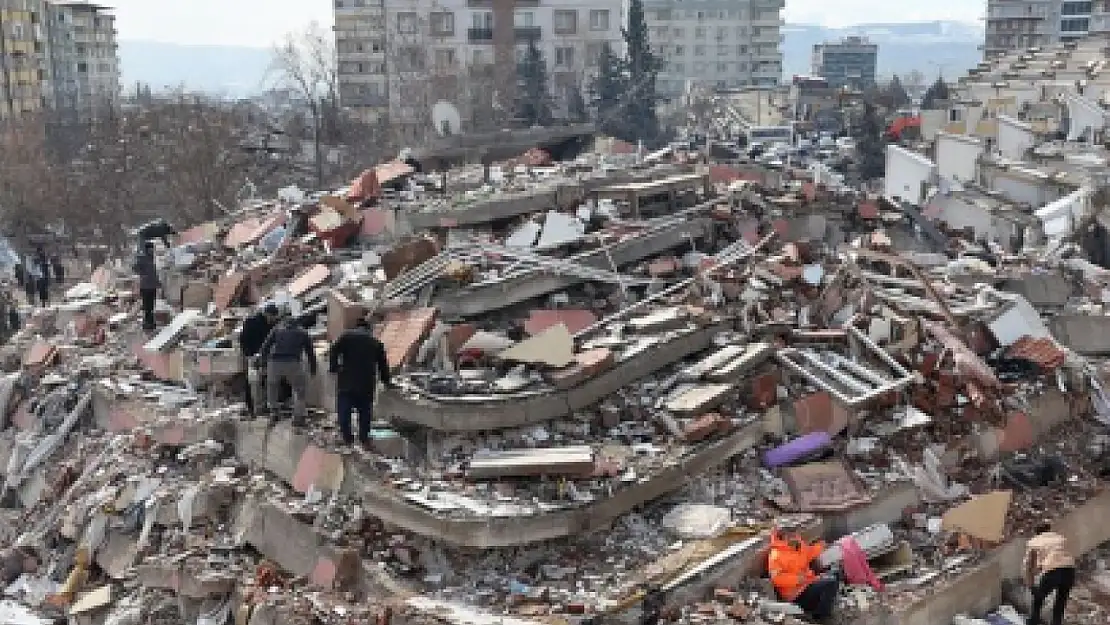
x=722, y=50
x=443, y=22
x=664, y=15
x=413, y=59
x=722, y=68
x=720, y=34
x=1075, y=8
x=1074, y=25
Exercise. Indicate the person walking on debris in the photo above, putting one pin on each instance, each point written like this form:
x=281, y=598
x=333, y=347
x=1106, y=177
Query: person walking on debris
x=14, y=322
x=1049, y=568
x=255, y=330
x=147, y=272
x=790, y=564
x=358, y=360
x=42, y=282
x=283, y=350
x=59, y=269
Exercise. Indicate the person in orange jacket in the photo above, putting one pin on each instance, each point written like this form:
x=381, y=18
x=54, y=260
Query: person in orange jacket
x=790, y=565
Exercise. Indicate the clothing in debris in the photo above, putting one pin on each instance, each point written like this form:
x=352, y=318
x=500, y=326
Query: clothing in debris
x=42, y=276
x=854, y=563
x=1049, y=569
x=789, y=564
x=358, y=360
x=284, y=349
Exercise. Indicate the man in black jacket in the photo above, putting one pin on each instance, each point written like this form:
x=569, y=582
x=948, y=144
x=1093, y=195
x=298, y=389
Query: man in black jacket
x=283, y=350
x=358, y=360
x=255, y=330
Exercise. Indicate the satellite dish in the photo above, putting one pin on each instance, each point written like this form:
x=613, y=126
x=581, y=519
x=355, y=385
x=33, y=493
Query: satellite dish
x=446, y=119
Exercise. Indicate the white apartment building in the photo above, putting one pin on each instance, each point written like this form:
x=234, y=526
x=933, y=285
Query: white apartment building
x=1022, y=24
x=716, y=43
x=400, y=57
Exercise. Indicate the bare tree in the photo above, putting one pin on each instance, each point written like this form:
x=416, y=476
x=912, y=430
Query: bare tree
x=307, y=64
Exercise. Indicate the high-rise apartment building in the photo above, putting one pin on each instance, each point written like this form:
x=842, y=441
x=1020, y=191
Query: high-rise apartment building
x=397, y=58
x=850, y=62
x=57, y=55
x=1020, y=24
x=716, y=43
x=84, y=64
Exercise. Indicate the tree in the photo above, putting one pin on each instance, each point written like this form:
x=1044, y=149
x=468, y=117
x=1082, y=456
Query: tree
x=870, y=151
x=897, y=93
x=534, y=103
x=642, y=69
x=576, y=105
x=935, y=93
x=608, y=91
x=306, y=63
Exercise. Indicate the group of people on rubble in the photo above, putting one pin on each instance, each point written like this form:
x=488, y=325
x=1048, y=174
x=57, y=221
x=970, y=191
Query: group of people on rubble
x=279, y=349
x=35, y=273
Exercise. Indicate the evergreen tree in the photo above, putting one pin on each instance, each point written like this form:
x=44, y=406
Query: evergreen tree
x=937, y=91
x=607, y=91
x=642, y=70
x=870, y=151
x=534, y=104
x=576, y=105
x=897, y=93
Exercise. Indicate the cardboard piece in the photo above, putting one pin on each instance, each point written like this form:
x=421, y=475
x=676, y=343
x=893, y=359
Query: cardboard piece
x=553, y=347
x=982, y=517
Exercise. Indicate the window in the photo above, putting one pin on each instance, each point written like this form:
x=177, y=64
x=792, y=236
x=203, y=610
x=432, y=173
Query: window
x=482, y=20
x=82, y=67
x=661, y=32
x=1075, y=8
x=477, y=58
x=722, y=68
x=679, y=67
x=566, y=22
x=443, y=23
x=722, y=33
x=406, y=23
x=699, y=50
x=599, y=19
x=593, y=51
x=741, y=50
x=663, y=15
x=1074, y=25
x=723, y=50
x=680, y=50
x=699, y=32
x=524, y=19
x=741, y=31
x=679, y=33
x=445, y=59
x=564, y=57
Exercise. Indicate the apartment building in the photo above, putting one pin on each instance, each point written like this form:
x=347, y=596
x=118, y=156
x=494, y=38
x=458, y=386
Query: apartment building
x=850, y=62
x=83, y=59
x=716, y=43
x=57, y=55
x=1021, y=24
x=400, y=57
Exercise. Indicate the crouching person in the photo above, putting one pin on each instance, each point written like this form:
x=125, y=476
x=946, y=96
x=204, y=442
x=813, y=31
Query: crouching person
x=790, y=564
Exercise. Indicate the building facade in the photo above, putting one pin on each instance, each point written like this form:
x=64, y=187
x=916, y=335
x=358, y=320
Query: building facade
x=83, y=59
x=398, y=58
x=715, y=43
x=60, y=56
x=1021, y=24
x=850, y=62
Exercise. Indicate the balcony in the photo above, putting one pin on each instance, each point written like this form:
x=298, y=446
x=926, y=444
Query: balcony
x=526, y=33
x=488, y=4
x=479, y=35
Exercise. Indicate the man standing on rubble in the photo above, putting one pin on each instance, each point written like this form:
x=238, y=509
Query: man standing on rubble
x=1049, y=568
x=147, y=272
x=42, y=280
x=283, y=350
x=358, y=360
x=255, y=330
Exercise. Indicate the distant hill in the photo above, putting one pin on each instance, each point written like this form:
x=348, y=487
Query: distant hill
x=951, y=47
x=228, y=70
x=929, y=47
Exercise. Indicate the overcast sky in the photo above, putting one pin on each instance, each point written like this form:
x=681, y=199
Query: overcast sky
x=261, y=22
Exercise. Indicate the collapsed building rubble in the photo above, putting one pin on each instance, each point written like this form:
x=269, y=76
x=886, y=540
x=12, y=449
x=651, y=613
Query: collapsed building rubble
x=611, y=378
